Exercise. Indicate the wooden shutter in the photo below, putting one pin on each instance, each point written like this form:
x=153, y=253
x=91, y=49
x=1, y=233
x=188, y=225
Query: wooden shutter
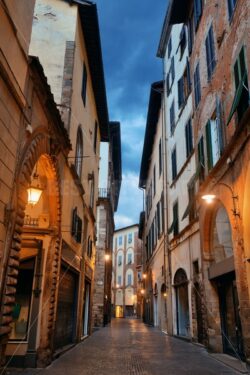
x=180, y=92
x=188, y=76
x=220, y=128
x=201, y=158
x=209, y=146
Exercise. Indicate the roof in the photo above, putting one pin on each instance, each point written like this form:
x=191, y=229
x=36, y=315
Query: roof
x=125, y=228
x=177, y=12
x=90, y=26
x=151, y=126
x=115, y=140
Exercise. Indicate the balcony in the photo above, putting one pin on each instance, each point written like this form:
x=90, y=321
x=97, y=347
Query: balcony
x=104, y=193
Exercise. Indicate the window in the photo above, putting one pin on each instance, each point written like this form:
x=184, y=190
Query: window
x=197, y=12
x=154, y=181
x=160, y=158
x=197, y=85
x=183, y=41
x=210, y=53
x=89, y=248
x=129, y=279
x=189, y=138
x=196, y=267
x=170, y=76
x=184, y=86
x=76, y=226
x=190, y=210
x=119, y=260
x=169, y=46
x=119, y=280
x=120, y=240
x=175, y=223
x=201, y=159
x=79, y=153
x=130, y=237
x=92, y=190
x=129, y=258
x=162, y=211
x=172, y=118
x=241, y=99
x=174, y=164
x=95, y=137
x=84, y=84
x=190, y=34
x=231, y=5
x=159, y=218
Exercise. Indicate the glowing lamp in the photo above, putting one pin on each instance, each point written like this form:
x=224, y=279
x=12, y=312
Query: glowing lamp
x=144, y=276
x=208, y=198
x=107, y=257
x=142, y=291
x=34, y=194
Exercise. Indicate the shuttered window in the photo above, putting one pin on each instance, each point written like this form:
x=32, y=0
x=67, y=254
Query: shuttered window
x=76, y=226
x=84, y=84
x=172, y=117
x=231, y=5
x=181, y=92
x=197, y=85
x=160, y=158
x=175, y=219
x=201, y=159
x=174, y=164
x=197, y=12
x=189, y=138
x=210, y=53
x=209, y=146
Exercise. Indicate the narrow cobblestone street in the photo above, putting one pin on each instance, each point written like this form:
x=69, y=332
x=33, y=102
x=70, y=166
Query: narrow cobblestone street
x=128, y=347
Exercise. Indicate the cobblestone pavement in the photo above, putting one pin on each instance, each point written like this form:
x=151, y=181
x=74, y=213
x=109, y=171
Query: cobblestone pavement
x=128, y=347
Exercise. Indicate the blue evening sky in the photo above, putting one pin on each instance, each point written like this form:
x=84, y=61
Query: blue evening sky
x=130, y=32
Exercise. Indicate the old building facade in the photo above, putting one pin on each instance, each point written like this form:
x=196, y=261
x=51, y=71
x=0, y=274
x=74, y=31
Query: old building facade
x=207, y=234
x=152, y=180
x=126, y=257
x=50, y=147
x=108, y=196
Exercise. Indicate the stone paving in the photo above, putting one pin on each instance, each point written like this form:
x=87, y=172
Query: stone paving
x=128, y=347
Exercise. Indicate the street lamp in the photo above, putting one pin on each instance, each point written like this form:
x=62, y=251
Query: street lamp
x=209, y=198
x=144, y=276
x=142, y=291
x=107, y=257
x=34, y=190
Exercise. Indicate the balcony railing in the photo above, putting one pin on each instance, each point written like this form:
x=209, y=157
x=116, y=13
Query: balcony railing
x=104, y=193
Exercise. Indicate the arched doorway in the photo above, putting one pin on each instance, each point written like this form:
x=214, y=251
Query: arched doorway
x=28, y=309
x=182, y=306
x=222, y=274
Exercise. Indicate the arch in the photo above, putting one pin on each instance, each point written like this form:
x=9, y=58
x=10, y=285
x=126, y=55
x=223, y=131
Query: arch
x=40, y=145
x=221, y=236
x=79, y=152
x=180, y=277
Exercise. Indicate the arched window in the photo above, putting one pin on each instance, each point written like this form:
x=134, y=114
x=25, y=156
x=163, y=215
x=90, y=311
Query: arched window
x=79, y=152
x=222, y=236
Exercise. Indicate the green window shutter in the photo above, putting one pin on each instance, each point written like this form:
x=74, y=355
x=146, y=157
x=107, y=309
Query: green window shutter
x=201, y=152
x=209, y=146
x=237, y=97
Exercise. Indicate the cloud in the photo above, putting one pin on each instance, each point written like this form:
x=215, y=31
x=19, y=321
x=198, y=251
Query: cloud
x=122, y=221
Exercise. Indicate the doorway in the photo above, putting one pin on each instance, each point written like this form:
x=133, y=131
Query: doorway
x=230, y=317
x=86, y=309
x=182, y=306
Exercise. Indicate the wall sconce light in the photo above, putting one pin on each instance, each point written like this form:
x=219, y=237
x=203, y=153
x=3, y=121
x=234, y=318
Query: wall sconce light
x=142, y=291
x=144, y=276
x=208, y=198
x=107, y=257
x=34, y=190
x=165, y=294
x=117, y=285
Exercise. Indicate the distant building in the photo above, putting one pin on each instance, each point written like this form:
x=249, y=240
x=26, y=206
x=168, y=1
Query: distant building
x=126, y=271
x=108, y=195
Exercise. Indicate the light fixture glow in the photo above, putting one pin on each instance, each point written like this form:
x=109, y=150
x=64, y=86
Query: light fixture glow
x=208, y=198
x=165, y=294
x=142, y=291
x=117, y=285
x=34, y=194
x=144, y=276
x=107, y=257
